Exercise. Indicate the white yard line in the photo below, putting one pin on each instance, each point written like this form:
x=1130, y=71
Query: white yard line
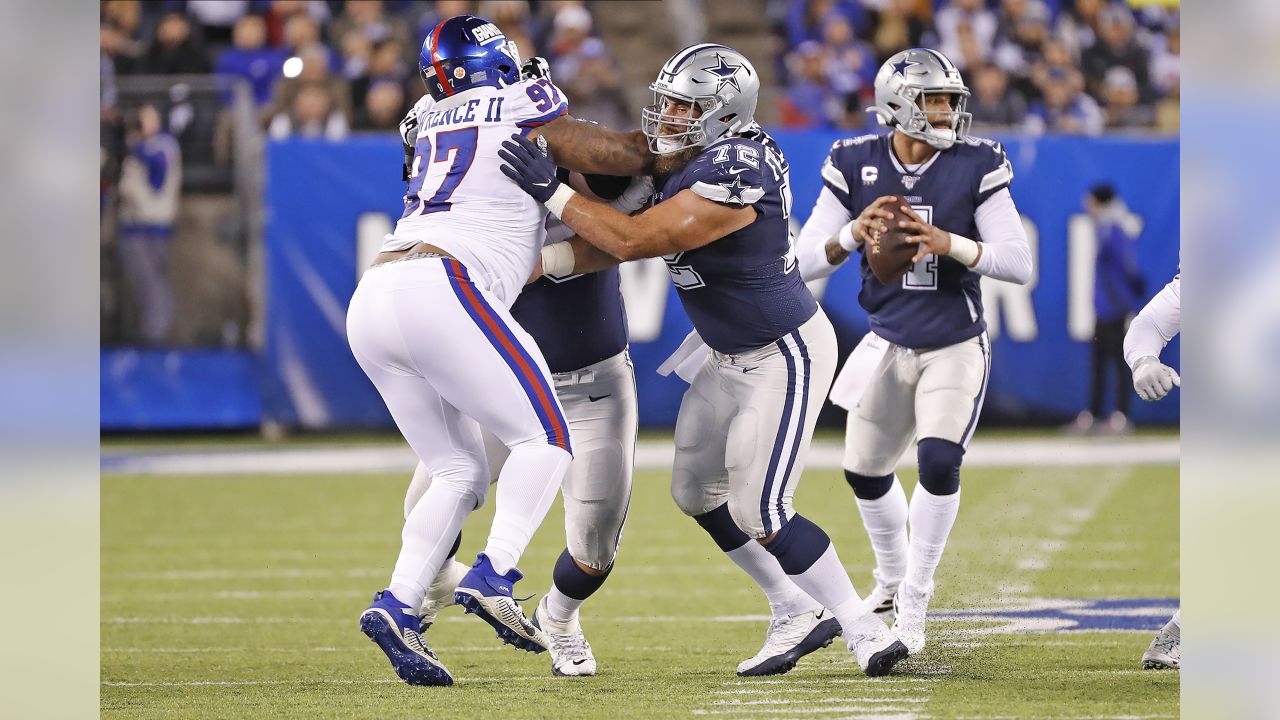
x=650, y=454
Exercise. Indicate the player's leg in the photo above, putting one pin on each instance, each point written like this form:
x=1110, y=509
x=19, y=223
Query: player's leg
x=953, y=385
x=877, y=432
x=1118, y=422
x=440, y=593
x=603, y=419
x=1165, y=651
x=446, y=443
x=780, y=399
x=700, y=488
x=503, y=383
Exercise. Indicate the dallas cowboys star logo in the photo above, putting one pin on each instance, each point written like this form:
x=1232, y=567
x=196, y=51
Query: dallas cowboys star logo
x=900, y=68
x=735, y=190
x=727, y=74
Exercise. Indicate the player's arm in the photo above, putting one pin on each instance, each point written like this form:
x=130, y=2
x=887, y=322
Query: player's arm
x=832, y=233
x=1149, y=332
x=589, y=148
x=685, y=222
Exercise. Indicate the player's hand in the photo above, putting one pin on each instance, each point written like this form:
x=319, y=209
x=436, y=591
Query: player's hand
x=636, y=195
x=871, y=221
x=530, y=166
x=535, y=68
x=409, y=129
x=927, y=238
x=1153, y=379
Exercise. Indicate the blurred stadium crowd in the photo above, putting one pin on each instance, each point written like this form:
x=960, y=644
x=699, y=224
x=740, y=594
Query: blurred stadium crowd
x=192, y=89
x=325, y=68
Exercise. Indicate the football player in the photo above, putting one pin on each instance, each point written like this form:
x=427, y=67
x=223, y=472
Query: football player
x=430, y=325
x=744, y=426
x=922, y=370
x=1149, y=332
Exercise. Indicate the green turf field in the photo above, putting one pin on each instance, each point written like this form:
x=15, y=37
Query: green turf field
x=237, y=597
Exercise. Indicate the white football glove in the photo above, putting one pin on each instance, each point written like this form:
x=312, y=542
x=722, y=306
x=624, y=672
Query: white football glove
x=1153, y=379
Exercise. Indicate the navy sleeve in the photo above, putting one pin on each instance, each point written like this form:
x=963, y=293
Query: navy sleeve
x=731, y=173
x=994, y=171
x=834, y=175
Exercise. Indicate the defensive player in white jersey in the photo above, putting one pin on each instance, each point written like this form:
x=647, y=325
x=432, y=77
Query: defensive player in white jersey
x=922, y=370
x=579, y=323
x=430, y=325
x=1149, y=332
x=744, y=427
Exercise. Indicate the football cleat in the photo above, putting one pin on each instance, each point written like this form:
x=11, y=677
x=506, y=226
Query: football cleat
x=880, y=599
x=440, y=594
x=1165, y=651
x=910, y=606
x=486, y=593
x=394, y=627
x=570, y=652
x=876, y=649
x=788, y=639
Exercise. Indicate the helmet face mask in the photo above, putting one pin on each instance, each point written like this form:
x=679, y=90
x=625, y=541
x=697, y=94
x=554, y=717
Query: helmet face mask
x=903, y=87
x=718, y=81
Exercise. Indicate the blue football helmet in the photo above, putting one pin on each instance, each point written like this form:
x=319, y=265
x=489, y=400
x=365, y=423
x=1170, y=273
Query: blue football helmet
x=464, y=52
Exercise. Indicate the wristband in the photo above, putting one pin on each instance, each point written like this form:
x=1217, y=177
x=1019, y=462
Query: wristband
x=557, y=259
x=964, y=250
x=846, y=239
x=555, y=204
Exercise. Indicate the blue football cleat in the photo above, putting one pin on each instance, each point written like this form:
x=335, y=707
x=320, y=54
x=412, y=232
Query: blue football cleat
x=393, y=625
x=487, y=594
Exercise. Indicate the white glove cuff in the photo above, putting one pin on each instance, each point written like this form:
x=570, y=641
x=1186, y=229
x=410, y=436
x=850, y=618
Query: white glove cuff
x=557, y=259
x=555, y=204
x=964, y=250
x=846, y=239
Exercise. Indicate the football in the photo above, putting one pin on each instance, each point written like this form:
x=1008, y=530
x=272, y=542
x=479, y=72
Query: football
x=889, y=254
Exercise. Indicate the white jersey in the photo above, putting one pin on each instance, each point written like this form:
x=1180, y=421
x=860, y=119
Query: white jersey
x=459, y=200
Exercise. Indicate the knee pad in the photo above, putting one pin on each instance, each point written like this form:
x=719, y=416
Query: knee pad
x=940, y=465
x=689, y=495
x=869, y=487
x=745, y=510
x=593, y=531
x=721, y=527
x=473, y=481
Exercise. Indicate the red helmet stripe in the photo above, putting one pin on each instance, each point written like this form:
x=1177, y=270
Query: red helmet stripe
x=444, y=81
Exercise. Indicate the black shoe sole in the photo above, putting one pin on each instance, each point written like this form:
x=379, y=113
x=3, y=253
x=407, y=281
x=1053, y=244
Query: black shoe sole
x=472, y=606
x=1154, y=665
x=822, y=635
x=410, y=666
x=883, y=661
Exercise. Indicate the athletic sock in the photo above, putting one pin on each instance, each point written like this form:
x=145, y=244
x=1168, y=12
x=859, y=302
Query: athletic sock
x=570, y=587
x=784, y=596
x=430, y=533
x=809, y=559
x=931, y=519
x=885, y=519
x=527, y=486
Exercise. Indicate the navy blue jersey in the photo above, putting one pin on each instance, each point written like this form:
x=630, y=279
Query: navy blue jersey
x=742, y=291
x=577, y=321
x=939, y=301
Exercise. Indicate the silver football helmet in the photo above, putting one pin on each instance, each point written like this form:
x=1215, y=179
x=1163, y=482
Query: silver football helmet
x=719, y=80
x=901, y=87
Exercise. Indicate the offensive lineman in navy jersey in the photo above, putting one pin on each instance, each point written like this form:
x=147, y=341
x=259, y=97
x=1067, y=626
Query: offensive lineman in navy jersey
x=922, y=370
x=745, y=423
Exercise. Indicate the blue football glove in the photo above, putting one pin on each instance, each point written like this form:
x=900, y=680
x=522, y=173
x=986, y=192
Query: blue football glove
x=530, y=166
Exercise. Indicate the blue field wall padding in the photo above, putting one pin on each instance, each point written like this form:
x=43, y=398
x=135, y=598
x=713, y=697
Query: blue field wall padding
x=179, y=390
x=329, y=204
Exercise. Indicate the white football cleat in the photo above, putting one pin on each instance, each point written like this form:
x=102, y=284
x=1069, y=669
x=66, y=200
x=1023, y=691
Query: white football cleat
x=440, y=594
x=1165, y=651
x=875, y=647
x=911, y=605
x=790, y=638
x=570, y=652
x=880, y=599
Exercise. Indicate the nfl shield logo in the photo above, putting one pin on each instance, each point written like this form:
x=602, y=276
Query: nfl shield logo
x=909, y=181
